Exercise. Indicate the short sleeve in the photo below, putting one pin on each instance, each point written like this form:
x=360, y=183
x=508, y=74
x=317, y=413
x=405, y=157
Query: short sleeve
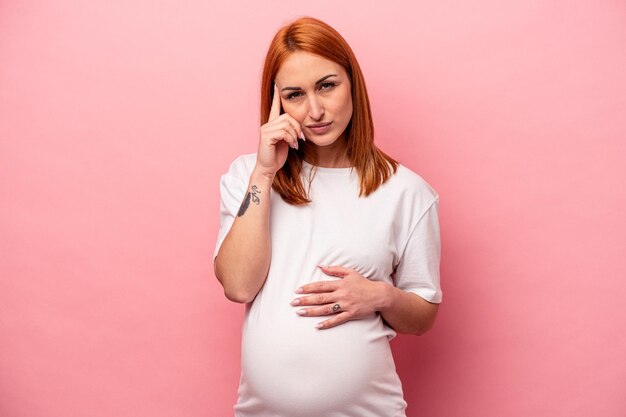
x=233, y=186
x=418, y=268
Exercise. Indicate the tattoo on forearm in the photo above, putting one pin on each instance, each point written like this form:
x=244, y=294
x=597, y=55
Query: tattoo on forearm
x=246, y=201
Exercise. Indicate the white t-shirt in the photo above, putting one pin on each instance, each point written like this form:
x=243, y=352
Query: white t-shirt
x=292, y=369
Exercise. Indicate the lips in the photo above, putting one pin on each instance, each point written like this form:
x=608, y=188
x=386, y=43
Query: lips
x=319, y=124
x=320, y=128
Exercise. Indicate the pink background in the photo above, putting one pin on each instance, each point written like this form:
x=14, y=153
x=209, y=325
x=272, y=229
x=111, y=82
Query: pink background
x=116, y=121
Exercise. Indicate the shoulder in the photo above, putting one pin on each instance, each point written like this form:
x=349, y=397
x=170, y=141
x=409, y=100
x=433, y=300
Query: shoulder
x=244, y=161
x=413, y=185
x=242, y=165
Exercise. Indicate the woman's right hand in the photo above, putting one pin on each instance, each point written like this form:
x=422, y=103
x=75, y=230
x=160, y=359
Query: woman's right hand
x=280, y=131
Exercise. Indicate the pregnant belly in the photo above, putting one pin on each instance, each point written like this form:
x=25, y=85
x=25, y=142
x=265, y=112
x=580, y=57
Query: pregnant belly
x=293, y=368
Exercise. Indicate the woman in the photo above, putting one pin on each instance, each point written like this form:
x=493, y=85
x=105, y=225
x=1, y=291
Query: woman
x=332, y=244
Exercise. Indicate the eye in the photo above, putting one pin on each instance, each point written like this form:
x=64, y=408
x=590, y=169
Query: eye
x=291, y=96
x=296, y=94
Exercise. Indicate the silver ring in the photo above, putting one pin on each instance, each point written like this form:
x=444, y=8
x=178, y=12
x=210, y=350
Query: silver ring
x=336, y=308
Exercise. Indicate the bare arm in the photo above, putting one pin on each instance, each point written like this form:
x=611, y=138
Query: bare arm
x=359, y=297
x=406, y=312
x=242, y=262
x=243, y=259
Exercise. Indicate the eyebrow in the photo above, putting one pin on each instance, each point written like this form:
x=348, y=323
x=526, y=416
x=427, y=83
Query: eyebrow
x=316, y=83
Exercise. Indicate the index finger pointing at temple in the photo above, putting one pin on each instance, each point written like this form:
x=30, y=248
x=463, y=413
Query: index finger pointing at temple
x=275, y=110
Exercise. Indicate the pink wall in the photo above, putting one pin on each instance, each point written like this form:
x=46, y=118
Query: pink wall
x=116, y=121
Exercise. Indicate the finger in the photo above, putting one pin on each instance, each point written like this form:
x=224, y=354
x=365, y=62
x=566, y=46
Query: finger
x=283, y=132
x=318, y=299
x=334, y=270
x=293, y=134
x=334, y=321
x=296, y=127
x=275, y=109
x=325, y=310
x=290, y=124
x=319, y=286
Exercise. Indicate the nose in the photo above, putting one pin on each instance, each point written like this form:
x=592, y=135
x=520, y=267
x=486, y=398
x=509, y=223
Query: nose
x=316, y=110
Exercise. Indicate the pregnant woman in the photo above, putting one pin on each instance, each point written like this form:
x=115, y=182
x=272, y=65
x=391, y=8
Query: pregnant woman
x=333, y=245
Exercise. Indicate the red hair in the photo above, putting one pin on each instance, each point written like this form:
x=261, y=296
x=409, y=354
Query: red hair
x=314, y=36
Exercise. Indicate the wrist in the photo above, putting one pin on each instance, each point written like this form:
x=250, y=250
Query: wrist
x=260, y=176
x=386, y=296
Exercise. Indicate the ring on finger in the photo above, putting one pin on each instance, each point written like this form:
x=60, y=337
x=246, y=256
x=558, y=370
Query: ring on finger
x=336, y=307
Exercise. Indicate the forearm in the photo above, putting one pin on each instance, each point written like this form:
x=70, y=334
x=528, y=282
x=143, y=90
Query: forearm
x=243, y=259
x=406, y=312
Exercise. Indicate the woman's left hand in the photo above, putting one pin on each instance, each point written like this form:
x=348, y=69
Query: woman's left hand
x=350, y=298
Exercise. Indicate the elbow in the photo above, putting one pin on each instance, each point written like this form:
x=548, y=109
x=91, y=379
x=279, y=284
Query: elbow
x=235, y=288
x=240, y=297
x=413, y=331
x=426, y=325
x=421, y=331
x=236, y=293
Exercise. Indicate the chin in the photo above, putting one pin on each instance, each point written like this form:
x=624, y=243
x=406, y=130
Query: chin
x=324, y=140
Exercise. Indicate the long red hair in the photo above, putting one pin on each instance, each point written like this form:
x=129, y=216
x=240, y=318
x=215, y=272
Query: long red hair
x=314, y=36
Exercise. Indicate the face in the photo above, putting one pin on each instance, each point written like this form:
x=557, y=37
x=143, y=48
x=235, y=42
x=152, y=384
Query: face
x=316, y=91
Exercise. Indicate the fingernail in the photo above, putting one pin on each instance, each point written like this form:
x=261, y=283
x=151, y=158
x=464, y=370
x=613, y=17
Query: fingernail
x=296, y=145
x=319, y=325
x=302, y=136
x=321, y=266
x=301, y=312
x=295, y=302
x=299, y=291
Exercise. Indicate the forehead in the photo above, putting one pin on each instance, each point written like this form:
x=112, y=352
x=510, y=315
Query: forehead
x=304, y=68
